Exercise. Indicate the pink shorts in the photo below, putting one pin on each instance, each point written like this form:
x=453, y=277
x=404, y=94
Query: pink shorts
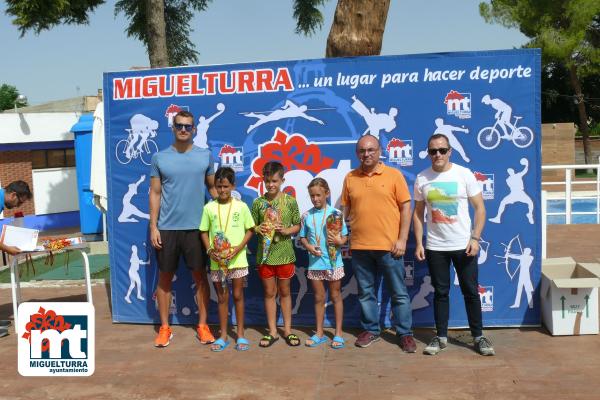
x=234, y=273
x=326, y=274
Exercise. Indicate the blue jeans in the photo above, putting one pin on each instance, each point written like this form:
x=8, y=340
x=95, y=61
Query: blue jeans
x=366, y=264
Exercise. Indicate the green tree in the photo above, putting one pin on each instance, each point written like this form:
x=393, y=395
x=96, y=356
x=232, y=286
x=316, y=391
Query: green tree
x=9, y=97
x=161, y=25
x=567, y=31
x=357, y=28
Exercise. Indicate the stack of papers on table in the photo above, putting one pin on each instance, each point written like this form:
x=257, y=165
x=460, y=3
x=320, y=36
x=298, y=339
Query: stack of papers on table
x=23, y=238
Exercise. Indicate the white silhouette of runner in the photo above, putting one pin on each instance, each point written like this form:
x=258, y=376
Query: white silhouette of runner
x=503, y=112
x=517, y=193
x=300, y=274
x=448, y=131
x=420, y=301
x=524, y=284
x=375, y=122
x=201, y=138
x=134, y=274
x=129, y=210
x=350, y=288
x=142, y=127
x=288, y=110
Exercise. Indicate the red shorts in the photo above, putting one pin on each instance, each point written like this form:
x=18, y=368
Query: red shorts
x=284, y=271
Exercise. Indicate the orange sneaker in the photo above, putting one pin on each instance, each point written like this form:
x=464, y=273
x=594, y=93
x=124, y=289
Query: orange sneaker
x=163, y=337
x=204, y=335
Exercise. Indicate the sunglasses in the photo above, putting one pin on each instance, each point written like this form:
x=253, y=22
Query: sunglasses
x=187, y=127
x=441, y=150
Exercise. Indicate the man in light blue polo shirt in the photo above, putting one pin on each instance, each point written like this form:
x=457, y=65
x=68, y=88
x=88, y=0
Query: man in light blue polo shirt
x=180, y=176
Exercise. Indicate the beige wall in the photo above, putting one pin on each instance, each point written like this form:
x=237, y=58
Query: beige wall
x=558, y=147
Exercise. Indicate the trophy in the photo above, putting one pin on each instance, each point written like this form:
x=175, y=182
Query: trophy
x=334, y=225
x=221, y=249
x=271, y=218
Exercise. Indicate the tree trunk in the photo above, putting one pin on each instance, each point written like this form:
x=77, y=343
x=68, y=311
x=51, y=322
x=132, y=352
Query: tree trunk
x=357, y=28
x=583, y=124
x=157, y=36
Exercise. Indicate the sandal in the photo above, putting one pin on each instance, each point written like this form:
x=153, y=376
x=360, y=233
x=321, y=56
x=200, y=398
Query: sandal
x=341, y=342
x=269, y=339
x=242, y=344
x=316, y=341
x=220, y=345
x=292, y=340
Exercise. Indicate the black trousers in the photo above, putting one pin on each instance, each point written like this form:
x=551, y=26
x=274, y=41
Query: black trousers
x=467, y=271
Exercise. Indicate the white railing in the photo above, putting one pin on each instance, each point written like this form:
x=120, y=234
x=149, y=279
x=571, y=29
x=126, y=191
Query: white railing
x=569, y=185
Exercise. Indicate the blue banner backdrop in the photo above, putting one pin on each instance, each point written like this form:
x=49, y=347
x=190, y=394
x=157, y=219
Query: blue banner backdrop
x=308, y=115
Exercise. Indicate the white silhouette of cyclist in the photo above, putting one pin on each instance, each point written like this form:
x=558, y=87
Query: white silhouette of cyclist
x=288, y=110
x=503, y=112
x=129, y=210
x=201, y=138
x=524, y=284
x=142, y=128
x=376, y=122
x=420, y=300
x=134, y=274
x=517, y=193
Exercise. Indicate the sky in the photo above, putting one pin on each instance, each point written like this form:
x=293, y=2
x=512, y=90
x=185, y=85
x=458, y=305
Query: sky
x=69, y=61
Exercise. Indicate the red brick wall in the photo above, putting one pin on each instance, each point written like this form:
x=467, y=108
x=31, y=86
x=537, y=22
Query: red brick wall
x=14, y=166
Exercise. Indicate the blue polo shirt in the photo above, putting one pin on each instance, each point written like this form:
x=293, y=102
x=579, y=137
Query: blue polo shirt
x=182, y=176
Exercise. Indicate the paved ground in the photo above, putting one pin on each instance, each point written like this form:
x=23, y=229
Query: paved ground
x=530, y=364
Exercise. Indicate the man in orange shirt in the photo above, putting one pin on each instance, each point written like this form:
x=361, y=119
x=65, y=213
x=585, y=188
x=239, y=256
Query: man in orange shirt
x=376, y=203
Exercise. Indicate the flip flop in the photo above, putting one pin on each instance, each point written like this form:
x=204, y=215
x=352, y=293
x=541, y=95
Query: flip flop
x=242, y=344
x=222, y=345
x=340, y=340
x=292, y=337
x=316, y=341
x=270, y=339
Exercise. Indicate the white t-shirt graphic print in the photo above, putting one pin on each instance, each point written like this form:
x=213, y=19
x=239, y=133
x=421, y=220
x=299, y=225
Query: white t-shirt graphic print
x=446, y=195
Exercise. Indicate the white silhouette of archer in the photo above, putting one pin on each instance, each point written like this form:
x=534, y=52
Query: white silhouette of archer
x=448, y=131
x=288, y=110
x=503, y=112
x=201, y=138
x=420, y=300
x=517, y=193
x=524, y=284
x=375, y=122
x=129, y=210
x=134, y=274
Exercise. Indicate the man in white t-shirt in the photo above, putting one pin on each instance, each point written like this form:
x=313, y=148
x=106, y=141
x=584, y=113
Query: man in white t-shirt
x=446, y=189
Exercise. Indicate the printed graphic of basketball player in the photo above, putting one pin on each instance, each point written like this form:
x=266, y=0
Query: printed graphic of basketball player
x=376, y=122
x=134, y=274
x=517, y=193
x=420, y=299
x=201, y=138
x=449, y=131
x=130, y=211
x=288, y=110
